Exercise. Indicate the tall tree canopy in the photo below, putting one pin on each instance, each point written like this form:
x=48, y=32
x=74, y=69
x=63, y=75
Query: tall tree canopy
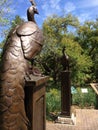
x=87, y=37
x=5, y=9
x=57, y=31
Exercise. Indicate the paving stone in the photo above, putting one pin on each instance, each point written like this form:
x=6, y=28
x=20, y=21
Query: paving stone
x=86, y=119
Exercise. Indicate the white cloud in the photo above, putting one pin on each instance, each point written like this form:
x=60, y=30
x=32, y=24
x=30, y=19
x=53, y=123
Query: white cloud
x=84, y=16
x=86, y=10
x=76, y=7
x=55, y=4
x=51, y=7
x=81, y=9
x=69, y=7
x=46, y=9
x=87, y=3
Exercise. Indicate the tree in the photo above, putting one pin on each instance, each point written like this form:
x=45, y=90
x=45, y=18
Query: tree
x=5, y=8
x=80, y=63
x=55, y=28
x=88, y=39
x=14, y=23
x=56, y=33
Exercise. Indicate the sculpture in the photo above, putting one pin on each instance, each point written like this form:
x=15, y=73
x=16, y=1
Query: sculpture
x=65, y=60
x=23, y=43
x=65, y=86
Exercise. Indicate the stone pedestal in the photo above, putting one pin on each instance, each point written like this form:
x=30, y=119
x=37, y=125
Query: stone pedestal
x=65, y=93
x=35, y=102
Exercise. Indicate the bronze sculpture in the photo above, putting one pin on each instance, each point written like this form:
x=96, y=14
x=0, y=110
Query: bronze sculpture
x=24, y=42
x=65, y=85
x=65, y=59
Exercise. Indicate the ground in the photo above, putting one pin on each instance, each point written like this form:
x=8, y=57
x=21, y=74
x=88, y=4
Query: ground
x=86, y=119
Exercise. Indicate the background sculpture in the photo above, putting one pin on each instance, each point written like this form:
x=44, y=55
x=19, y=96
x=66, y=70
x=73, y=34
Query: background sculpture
x=65, y=59
x=65, y=85
x=23, y=43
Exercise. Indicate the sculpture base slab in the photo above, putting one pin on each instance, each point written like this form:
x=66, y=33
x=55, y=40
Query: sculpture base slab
x=66, y=120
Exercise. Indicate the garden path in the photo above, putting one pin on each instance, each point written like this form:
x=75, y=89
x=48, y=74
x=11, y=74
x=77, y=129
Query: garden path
x=86, y=119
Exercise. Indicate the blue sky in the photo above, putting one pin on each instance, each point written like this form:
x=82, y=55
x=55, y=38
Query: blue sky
x=83, y=9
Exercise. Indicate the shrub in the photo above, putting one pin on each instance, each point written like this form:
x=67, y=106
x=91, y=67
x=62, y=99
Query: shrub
x=53, y=101
x=84, y=99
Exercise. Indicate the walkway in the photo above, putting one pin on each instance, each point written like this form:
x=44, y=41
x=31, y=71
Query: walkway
x=86, y=119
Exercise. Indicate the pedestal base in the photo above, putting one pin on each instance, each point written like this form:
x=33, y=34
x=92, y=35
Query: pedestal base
x=66, y=120
x=65, y=93
x=35, y=104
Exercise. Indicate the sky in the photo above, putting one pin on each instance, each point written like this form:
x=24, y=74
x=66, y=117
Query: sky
x=82, y=9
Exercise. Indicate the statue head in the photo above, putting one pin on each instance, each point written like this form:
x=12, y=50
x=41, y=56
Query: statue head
x=31, y=11
x=33, y=2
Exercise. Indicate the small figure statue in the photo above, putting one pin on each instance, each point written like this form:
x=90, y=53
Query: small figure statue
x=65, y=60
x=23, y=43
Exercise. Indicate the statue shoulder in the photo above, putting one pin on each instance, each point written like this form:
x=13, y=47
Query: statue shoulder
x=27, y=28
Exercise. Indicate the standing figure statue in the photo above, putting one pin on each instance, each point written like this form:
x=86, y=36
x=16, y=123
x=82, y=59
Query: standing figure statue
x=23, y=43
x=65, y=59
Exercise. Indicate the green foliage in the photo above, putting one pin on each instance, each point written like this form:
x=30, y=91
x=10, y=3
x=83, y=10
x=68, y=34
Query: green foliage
x=56, y=35
x=53, y=101
x=50, y=61
x=52, y=85
x=80, y=63
x=55, y=27
x=5, y=10
x=88, y=39
x=84, y=99
x=14, y=23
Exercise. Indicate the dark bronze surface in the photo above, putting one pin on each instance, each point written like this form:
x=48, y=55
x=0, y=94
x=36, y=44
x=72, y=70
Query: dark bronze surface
x=35, y=102
x=65, y=94
x=24, y=42
x=65, y=59
x=65, y=85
